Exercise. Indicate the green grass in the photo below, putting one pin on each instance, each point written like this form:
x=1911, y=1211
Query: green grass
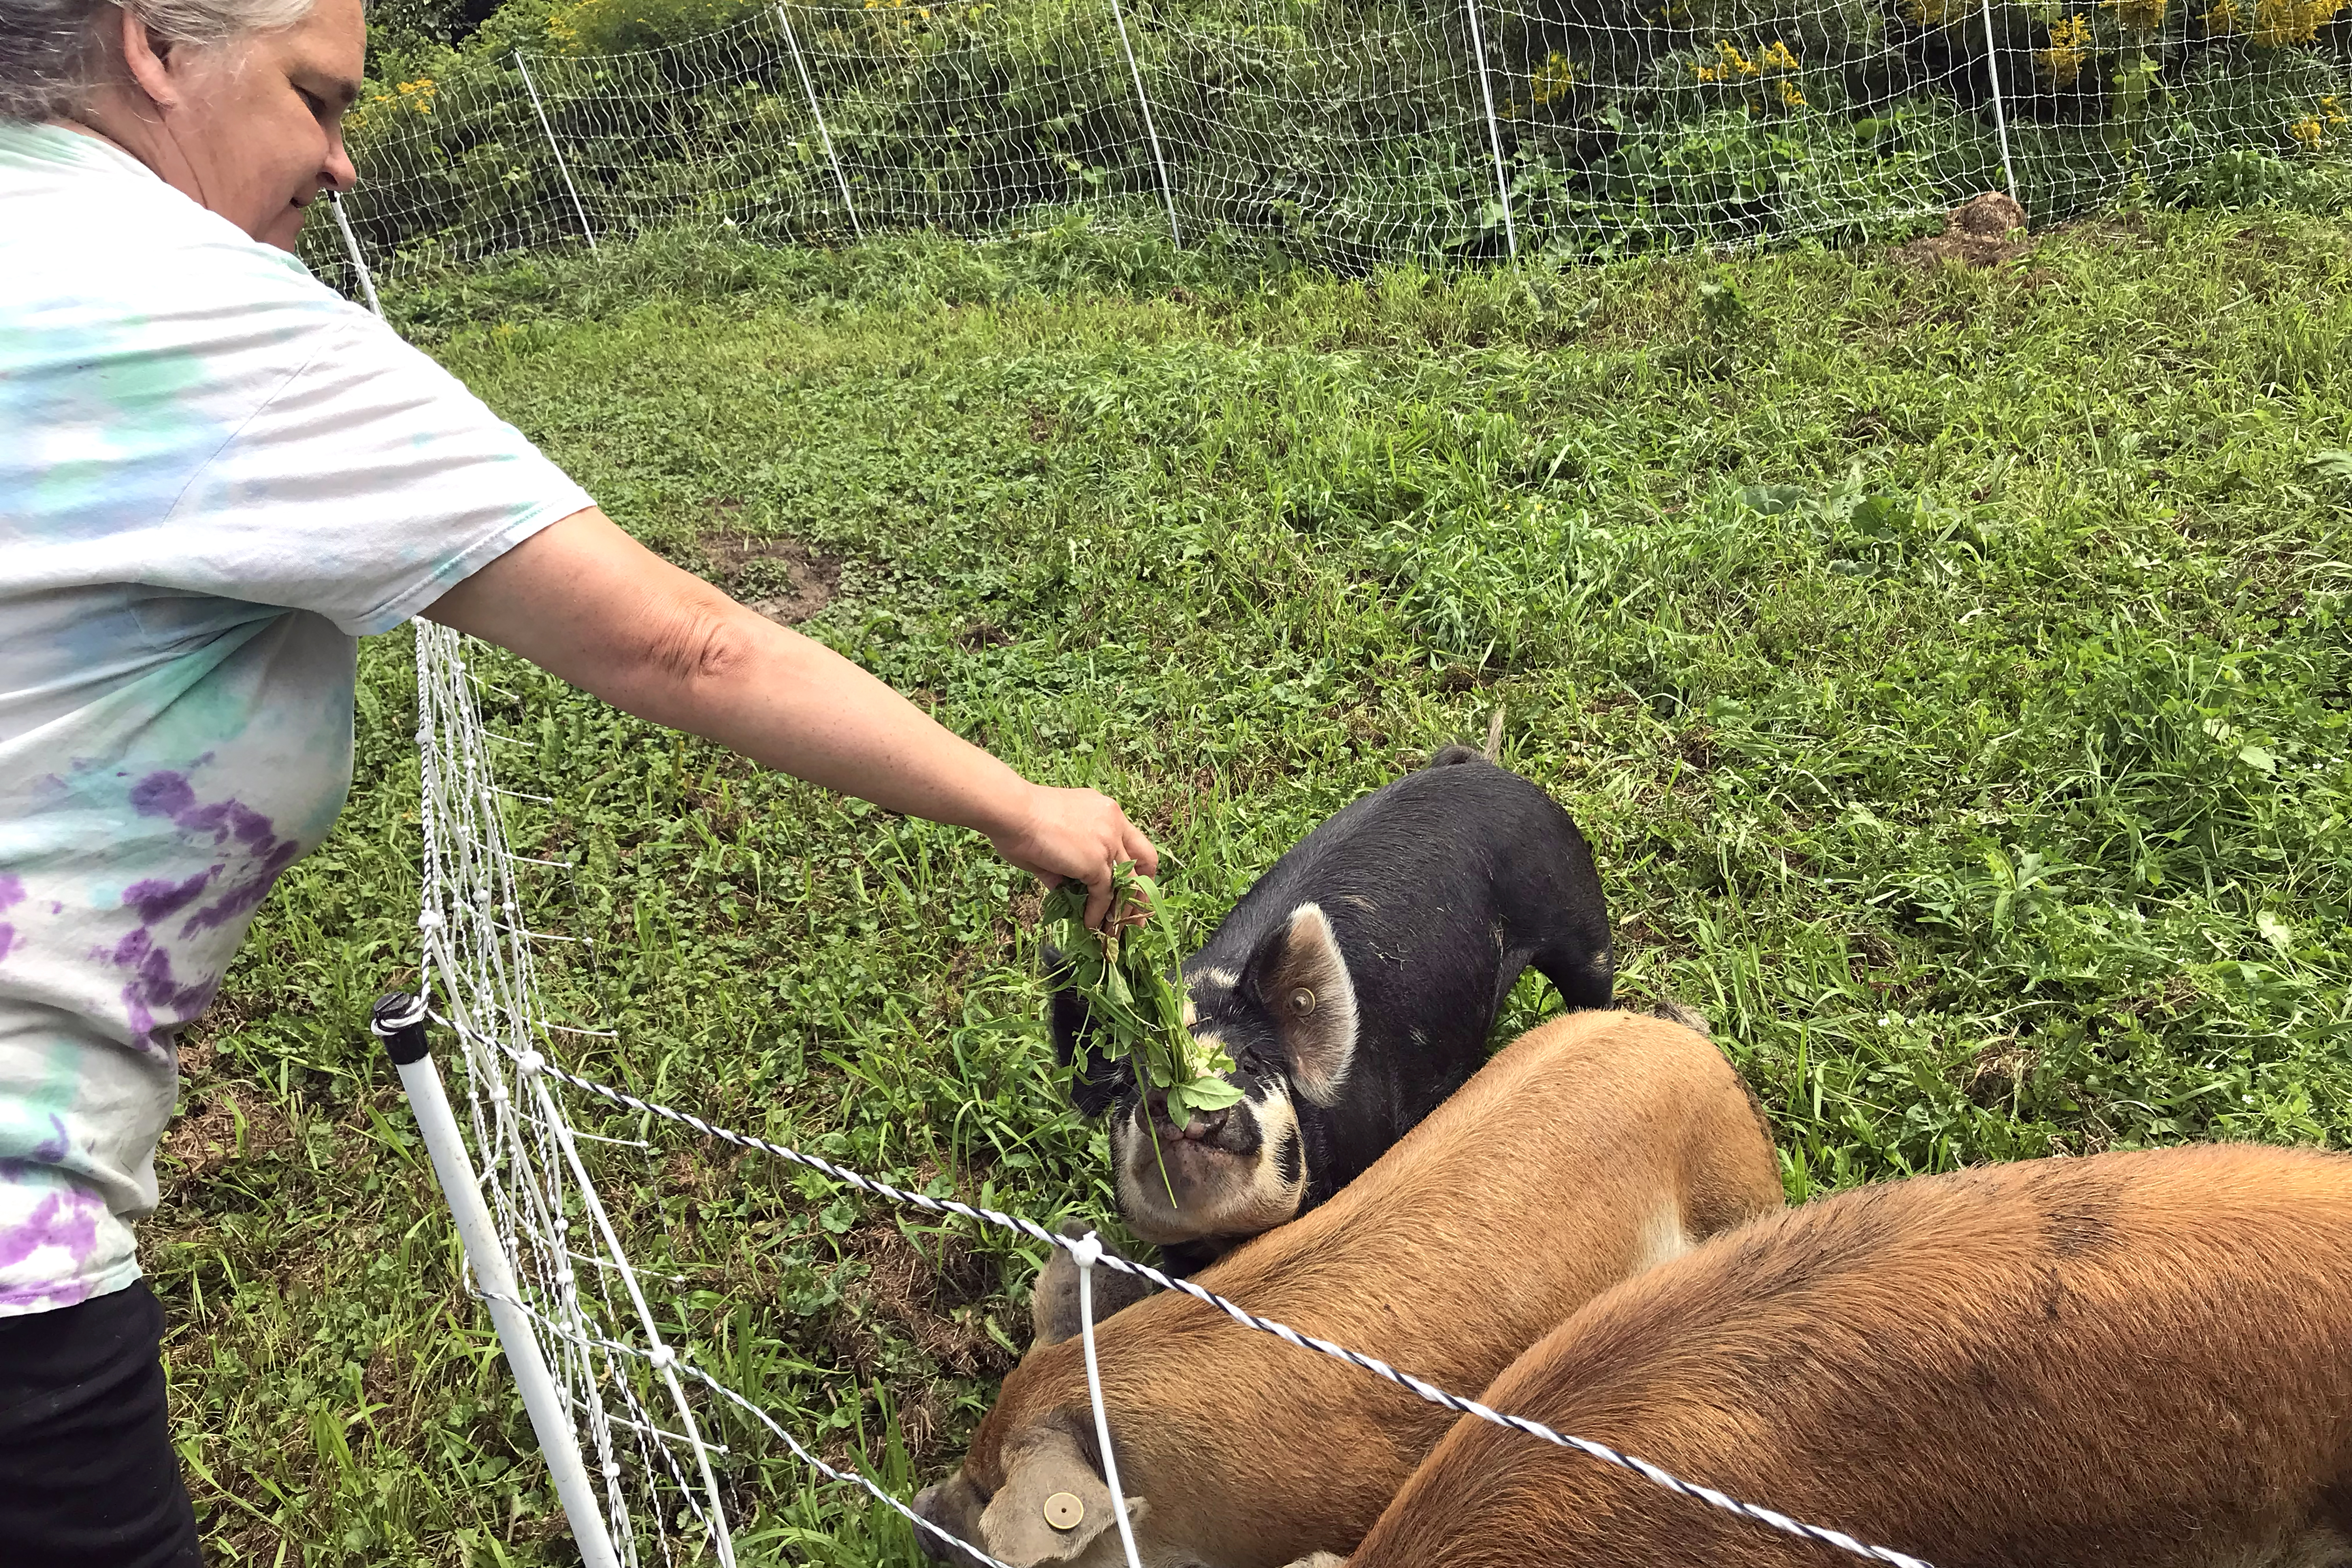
x=1951, y=671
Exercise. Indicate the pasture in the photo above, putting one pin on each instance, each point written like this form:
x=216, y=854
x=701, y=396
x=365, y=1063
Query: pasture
x=1952, y=670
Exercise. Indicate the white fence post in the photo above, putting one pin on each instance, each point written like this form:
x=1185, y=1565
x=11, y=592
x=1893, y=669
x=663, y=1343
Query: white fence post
x=1999, y=119
x=808, y=84
x=562, y=167
x=1494, y=131
x=1086, y=1254
x=352, y=247
x=399, y=1022
x=1151, y=133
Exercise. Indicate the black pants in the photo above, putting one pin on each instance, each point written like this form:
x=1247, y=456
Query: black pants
x=88, y=1478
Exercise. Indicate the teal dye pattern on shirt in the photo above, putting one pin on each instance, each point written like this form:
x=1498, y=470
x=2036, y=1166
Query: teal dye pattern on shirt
x=215, y=476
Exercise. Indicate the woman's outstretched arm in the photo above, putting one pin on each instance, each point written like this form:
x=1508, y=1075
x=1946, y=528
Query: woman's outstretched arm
x=586, y=602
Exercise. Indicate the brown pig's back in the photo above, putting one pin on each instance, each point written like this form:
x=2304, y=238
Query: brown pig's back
x=2140, y=1358
x=1594, y=1146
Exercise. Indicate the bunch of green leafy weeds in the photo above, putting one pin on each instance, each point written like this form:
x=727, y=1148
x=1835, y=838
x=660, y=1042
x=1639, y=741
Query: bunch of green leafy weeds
x=1123, y=972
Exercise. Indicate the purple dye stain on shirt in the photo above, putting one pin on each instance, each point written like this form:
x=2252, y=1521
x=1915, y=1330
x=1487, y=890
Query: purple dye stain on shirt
x=155, y=1000
x=158, y=898
x=12, y=894
x=66, y=1220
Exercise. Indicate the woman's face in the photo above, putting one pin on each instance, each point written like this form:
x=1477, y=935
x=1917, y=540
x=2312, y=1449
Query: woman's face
x=260, y=119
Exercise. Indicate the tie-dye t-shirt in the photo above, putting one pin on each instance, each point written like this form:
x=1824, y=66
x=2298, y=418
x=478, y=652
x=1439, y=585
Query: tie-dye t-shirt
x=214, y=475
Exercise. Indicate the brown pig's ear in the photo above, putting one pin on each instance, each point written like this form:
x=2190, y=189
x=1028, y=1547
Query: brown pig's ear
x=1051, y=1505
x=1054, y=1300
x=1301, y=977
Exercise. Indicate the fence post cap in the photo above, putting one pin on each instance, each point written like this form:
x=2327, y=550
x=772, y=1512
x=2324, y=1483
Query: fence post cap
x=398, y=1020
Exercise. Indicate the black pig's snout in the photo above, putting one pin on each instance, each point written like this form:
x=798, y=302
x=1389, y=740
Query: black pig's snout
x=1228, y=1129
x=1201, y=1127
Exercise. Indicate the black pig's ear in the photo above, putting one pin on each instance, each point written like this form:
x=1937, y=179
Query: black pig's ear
x=1301, y=978
x=1066, y=1013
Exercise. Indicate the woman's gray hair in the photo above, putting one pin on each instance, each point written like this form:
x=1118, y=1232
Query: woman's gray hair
x=52, y=52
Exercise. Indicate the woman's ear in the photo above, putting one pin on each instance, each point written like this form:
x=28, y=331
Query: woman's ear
x=1300, y=977
x=148, y=61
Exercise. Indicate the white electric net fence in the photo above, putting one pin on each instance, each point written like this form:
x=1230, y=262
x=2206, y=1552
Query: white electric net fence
x=615, y=1343
x=1342, y=132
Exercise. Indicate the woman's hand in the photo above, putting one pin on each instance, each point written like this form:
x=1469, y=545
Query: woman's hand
x=585, y=601
x=1078, y=834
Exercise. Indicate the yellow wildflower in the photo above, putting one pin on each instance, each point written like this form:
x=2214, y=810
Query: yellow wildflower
x=1792, y=95
x=2141, y=15
x=1777, y=57
x=1730, y=65
x=1554, y=79
x=2069, y=50
x=2274, y=24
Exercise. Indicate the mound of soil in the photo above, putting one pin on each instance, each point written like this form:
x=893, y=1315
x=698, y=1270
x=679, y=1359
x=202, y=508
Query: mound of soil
x=1983, y=231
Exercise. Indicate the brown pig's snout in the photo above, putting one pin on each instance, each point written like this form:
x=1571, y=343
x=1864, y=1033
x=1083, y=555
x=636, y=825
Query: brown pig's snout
x=946, y=1506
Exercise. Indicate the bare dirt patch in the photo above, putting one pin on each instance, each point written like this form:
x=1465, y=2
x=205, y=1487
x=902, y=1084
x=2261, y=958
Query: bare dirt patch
x=223, y=1123
x=782, y=579
x=938, y=1303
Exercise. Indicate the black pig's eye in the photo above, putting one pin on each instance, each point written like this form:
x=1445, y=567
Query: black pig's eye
x=1302, y=1001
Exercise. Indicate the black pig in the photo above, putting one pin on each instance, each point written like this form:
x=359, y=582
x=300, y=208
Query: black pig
x=1355, y=986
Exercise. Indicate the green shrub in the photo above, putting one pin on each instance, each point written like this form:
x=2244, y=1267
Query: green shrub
x=1347, y=133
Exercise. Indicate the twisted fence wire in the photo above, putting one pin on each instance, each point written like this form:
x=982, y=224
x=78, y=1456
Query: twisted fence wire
x=1345, y=133
x=616, y=1349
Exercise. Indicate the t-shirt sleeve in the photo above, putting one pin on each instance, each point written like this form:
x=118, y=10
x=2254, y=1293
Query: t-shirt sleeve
x=365, y=486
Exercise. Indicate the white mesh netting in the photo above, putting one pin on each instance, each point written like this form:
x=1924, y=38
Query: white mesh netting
x=625, y=1338
x=1348, y=133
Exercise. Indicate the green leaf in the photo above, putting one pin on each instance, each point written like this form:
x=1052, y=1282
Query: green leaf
x=2336, y=463
x=2276, y=932
x=1208, y=1093
x=2256, y=757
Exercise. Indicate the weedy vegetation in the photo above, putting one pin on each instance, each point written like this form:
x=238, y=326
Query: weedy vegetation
x=1125, y=973
x=1951, y=669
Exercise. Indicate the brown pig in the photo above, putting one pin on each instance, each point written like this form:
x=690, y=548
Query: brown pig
x=1590, y=1149
x=2141, y=1360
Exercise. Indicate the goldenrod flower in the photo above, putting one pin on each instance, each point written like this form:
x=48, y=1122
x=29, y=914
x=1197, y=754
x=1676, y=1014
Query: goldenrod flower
x=2274, y=24
x=1554, y=79
x=2069, y=50
x=1730, y=65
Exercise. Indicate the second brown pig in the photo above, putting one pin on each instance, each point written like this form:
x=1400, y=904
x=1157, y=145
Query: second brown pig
x=1591, y=1147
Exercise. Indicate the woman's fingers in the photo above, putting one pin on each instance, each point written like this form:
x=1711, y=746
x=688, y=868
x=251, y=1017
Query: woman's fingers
x=1139, y=849
x=1079, y=834
x=1098, y=899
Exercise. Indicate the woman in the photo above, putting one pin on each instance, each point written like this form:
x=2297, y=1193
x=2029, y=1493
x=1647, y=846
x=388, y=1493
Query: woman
x=214, y=475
